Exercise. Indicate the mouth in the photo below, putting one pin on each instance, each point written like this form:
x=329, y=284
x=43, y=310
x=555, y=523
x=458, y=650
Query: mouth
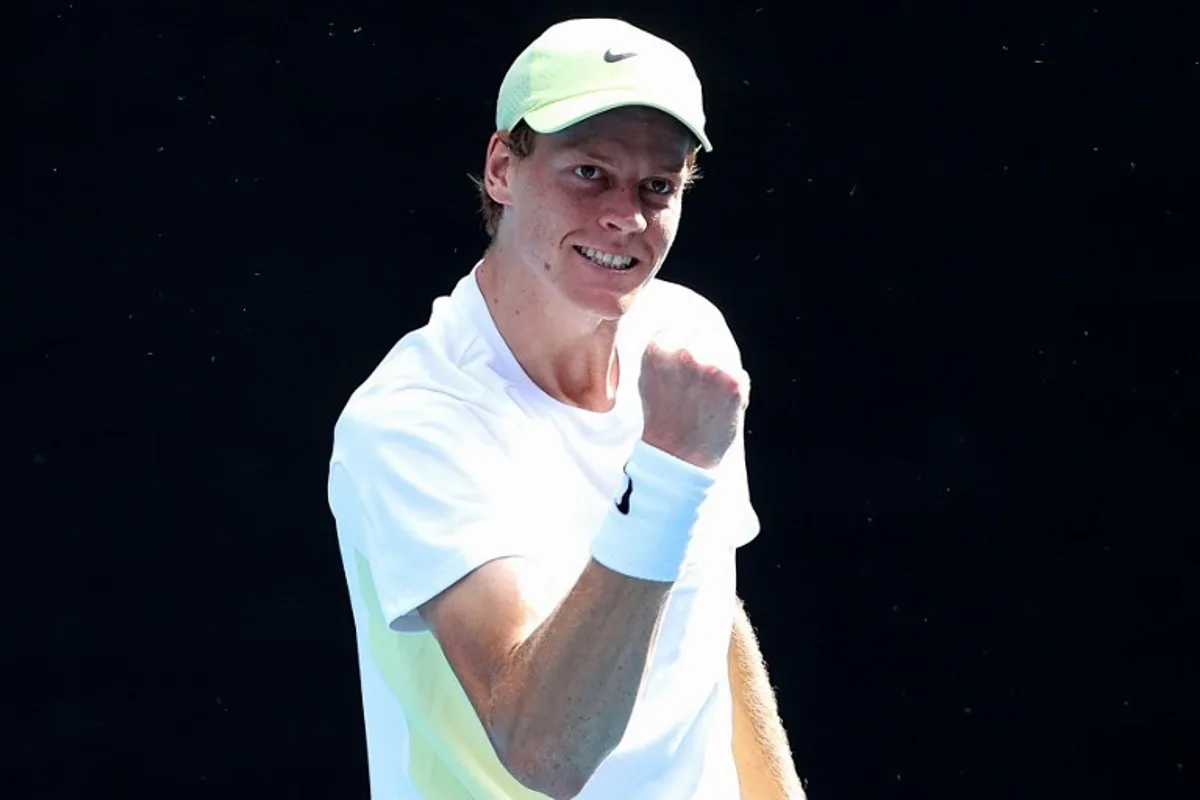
x=612, y=261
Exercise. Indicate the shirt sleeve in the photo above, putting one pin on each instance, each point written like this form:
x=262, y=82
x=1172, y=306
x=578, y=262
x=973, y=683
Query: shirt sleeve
x=746, y=524
x=714, y=342
x=425, y=486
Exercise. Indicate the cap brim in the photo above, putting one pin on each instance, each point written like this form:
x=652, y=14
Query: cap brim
x=565, y=113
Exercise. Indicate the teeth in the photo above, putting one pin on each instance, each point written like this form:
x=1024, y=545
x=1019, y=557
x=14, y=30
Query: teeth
x=607, y=259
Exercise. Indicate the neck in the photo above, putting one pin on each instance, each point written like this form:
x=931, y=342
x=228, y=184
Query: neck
x=570, y=354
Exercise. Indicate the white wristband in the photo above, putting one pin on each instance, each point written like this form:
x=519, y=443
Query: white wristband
x=647, y=531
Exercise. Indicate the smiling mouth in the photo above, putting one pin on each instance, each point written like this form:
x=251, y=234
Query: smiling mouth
x=607, y=260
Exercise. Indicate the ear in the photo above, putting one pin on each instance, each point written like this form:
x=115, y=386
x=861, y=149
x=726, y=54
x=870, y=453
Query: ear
x=497, y=168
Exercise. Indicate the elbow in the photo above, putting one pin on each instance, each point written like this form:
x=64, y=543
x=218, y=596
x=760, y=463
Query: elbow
x=546, y=769
x=547, y=759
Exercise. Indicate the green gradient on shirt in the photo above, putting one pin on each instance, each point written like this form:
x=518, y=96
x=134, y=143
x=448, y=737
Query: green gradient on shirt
x=449, y=754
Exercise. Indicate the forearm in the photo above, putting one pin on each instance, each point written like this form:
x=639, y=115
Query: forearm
x=760, y=745
x=563, y=698
x=568, y=691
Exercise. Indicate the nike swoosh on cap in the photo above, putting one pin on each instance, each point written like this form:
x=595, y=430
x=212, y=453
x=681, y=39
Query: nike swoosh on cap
x=612, y=57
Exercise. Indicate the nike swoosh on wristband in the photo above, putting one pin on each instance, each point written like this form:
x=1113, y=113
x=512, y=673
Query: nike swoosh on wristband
x=623, y=503
x=612, y=57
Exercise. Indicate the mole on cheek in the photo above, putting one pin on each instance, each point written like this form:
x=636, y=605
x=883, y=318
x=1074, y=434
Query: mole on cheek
x=546, y=266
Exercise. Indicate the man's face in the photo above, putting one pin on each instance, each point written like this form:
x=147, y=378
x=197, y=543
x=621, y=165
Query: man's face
x=609, y=186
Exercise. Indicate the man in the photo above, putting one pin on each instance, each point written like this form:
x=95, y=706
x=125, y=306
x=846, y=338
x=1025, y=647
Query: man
x=539, y=494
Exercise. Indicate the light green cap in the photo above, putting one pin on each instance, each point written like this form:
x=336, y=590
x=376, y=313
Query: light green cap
x=583, y=67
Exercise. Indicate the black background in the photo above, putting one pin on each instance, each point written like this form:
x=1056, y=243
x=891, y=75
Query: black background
x=957, y=244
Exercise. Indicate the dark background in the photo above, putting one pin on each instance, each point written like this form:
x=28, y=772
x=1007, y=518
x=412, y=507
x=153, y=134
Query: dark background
x=957, y=244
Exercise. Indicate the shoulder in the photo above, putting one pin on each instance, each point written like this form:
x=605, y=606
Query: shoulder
x=418, y=391
x=675, y=302
x=400, y=417
x=696, y=319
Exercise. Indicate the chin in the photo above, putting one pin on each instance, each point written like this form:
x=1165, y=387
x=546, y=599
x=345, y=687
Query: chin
x=590, y=289
x=607, y=305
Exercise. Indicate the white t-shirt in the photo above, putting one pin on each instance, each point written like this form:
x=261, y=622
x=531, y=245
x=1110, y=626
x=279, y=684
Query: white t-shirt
x=449, y=456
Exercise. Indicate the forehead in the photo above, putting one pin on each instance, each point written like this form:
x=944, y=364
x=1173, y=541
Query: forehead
x=633, y=130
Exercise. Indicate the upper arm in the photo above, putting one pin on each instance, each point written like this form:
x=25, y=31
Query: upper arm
x=482, y=618
x=740, y=635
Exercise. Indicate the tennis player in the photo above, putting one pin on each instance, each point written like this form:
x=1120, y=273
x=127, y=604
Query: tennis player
x=539, y=494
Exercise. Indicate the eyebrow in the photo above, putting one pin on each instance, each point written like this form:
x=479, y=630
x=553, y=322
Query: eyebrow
x=664, y=160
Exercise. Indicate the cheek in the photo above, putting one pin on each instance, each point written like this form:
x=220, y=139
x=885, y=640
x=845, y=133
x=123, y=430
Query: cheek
x=665, y=224
x=541, y=226
x=559, y=216
x=531, y=222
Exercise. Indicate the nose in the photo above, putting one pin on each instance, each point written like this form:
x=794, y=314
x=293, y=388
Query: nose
x=622, y=211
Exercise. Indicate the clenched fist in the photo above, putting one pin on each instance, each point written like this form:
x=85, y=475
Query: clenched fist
x=692, y=407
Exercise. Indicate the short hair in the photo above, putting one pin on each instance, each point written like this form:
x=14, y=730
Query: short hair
x=521, y=141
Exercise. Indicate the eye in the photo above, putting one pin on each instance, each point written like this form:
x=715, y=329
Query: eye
x=660, y=186
x=588, y=172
